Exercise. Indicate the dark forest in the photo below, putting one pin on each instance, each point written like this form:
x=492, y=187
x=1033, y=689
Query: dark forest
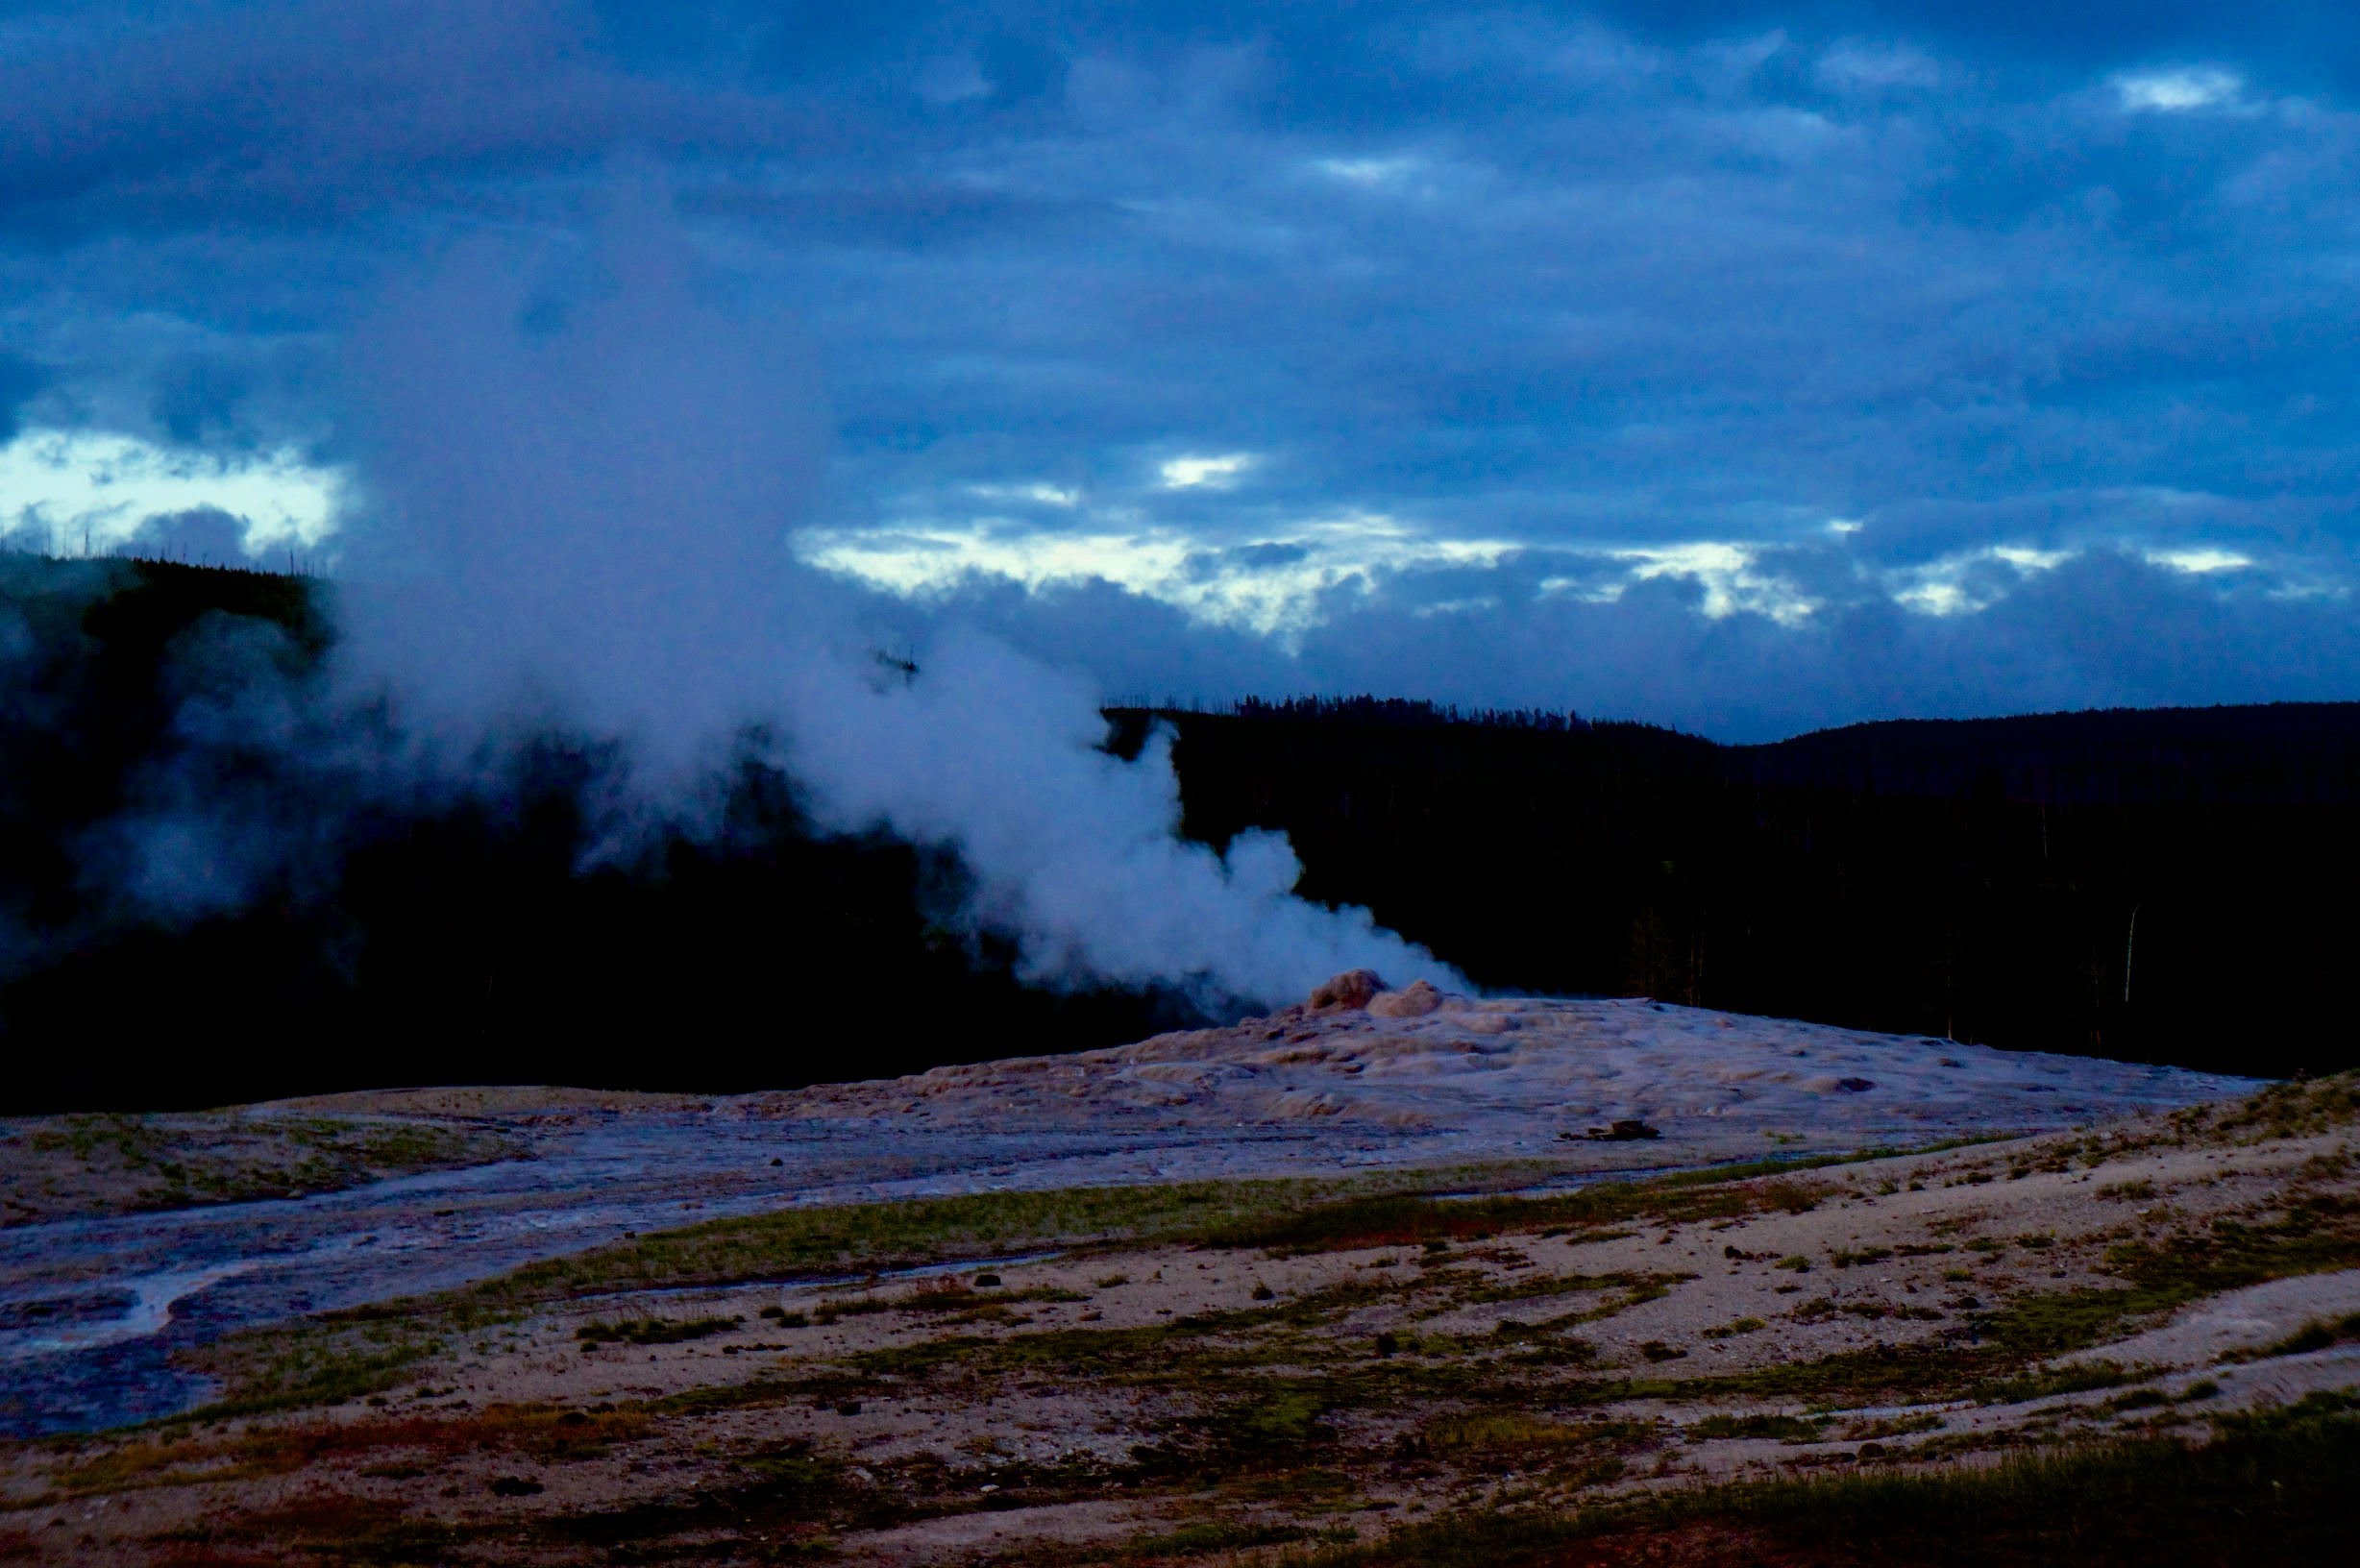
x=2164, y=885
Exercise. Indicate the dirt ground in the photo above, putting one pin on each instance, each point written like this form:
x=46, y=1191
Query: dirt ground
x=1319, y=1373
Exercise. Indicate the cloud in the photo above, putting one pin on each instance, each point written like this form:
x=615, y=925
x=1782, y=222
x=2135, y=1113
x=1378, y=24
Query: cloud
x=1209, y=473
x=75, y=491
x=2101, y=627
x=310, y=113
x=1274, y=586
x=2178, y=92
x=2199, y=562
x=21, y=382
x=1632, y=303
x=1855, y=66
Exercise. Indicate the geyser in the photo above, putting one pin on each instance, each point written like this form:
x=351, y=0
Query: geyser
x=582, y=484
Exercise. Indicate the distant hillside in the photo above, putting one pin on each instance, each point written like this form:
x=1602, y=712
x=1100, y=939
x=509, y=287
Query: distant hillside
x=2169, y=883
x=2283, y=753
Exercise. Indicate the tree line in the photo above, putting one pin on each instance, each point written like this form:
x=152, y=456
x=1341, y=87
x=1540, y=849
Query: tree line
x=2160, y=884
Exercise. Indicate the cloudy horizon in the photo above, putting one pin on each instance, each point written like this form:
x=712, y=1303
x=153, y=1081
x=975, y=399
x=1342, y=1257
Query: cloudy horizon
x=1747, y=367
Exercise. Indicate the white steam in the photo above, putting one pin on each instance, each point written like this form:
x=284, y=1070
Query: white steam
x=580, y=503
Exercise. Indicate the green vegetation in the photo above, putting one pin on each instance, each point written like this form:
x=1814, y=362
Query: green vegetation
x=2050, y=1323
x=2314, y=1235
x=2320, y=1334
x=540, y=1433
x=1403, y=1219
x=2286, y=1110
x=2077, y=1378
x=122, y=1164
x=2267, y=1491
x=818, y=1242
x=1785, y=1428
x=1208, y=1536
x=325, y=1361
x=654, y=1331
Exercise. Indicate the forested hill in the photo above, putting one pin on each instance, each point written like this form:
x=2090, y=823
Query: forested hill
x=2167, y=884
x=2170, y=885
x=2283, y=753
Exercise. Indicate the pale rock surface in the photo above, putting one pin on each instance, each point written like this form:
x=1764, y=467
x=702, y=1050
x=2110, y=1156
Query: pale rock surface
x=1428, y=1075
x=1416, y=1002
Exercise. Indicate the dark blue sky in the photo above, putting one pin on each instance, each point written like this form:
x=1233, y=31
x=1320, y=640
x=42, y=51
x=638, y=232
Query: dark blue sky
x=1748, y=366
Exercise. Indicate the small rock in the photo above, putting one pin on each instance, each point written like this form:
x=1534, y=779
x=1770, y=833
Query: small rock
x=515, y=1486
x=1621, y=1132
x=1349, y=990
x=1413, y=1002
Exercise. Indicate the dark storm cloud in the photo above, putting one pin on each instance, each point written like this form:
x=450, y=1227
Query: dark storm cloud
x=313, y=113
x=1558, y=281
x=21, y=382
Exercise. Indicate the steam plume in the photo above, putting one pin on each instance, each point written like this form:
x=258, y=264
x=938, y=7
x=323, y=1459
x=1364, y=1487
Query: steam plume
x=583, y=490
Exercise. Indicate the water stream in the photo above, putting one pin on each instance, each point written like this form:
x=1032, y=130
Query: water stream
x=93, y=1311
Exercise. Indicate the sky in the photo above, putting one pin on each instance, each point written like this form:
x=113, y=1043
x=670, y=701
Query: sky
x=1750, y=367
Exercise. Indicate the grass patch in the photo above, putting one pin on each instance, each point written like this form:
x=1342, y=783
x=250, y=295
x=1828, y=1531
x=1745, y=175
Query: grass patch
x=349, y=1529
x=120, y=1163
x=2289, y=1109
x=784, y=1491
x=2267, y=1492
x=2049, y=1382
x=1788, y=1428
x=1207, y=1536
x=546, y=1434
x=1513, y=1432
x=2320, y=1334
x=2050, y=1323
x=325, y=1361
x=803, y=1244
x=654, y=1331
x=2317, y=1235
x=1408, y=1219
